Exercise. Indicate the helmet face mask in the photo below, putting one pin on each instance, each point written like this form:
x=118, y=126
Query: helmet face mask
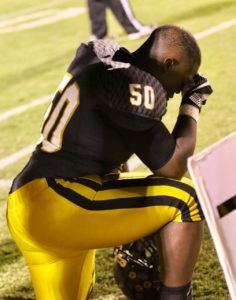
x=136, y=269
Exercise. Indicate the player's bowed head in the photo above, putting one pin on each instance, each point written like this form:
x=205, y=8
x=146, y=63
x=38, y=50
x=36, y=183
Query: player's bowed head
x=172, y=55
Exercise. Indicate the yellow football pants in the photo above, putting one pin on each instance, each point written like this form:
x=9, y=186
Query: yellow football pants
x=58, y=223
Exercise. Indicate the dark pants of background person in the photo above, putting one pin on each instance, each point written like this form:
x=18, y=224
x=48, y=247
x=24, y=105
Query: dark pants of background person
x=122, y=11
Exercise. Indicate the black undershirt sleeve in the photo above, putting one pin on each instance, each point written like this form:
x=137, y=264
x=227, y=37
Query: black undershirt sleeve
x=150, y=140
x=154, y=146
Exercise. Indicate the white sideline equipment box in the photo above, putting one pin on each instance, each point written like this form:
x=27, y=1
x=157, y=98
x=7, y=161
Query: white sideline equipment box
x=213, y=172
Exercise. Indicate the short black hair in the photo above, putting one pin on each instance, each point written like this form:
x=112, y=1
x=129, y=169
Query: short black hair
x=177, y=37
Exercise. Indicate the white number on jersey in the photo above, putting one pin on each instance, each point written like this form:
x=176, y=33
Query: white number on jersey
x=54, y=126
x=136, y=98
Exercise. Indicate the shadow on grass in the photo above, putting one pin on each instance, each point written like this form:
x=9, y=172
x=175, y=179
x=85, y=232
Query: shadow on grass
x=10, y=298
x=20, y=293
x=196, y=12
x=8, y=252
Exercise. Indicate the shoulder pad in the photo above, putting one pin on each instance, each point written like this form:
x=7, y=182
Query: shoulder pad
x=83, y=58
x=105, y=50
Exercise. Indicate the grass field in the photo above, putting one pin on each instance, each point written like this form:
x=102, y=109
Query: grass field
x=33, y=61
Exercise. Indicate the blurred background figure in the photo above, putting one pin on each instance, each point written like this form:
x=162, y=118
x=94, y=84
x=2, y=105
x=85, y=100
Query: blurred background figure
x=123, y=13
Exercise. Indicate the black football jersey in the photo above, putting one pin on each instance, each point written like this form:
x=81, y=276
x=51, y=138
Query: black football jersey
x=104, y=110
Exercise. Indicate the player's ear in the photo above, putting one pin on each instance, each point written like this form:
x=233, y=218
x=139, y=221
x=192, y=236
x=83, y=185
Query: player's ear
x=169, y=63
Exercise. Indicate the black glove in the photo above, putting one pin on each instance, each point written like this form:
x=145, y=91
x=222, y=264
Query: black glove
x=197, y=91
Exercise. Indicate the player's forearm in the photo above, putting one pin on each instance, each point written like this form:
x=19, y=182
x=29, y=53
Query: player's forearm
x=184, y=132
x=185, y=135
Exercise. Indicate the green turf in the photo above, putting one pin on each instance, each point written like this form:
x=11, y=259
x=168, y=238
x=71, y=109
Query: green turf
x=34, y=61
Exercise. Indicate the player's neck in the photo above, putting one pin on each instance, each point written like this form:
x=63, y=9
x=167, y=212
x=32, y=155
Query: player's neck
x=150, y=66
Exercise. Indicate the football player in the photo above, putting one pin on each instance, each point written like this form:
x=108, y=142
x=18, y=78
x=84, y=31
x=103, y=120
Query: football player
x=108, y=106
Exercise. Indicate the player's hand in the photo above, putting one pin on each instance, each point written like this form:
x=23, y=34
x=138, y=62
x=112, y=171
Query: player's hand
x=197, y=91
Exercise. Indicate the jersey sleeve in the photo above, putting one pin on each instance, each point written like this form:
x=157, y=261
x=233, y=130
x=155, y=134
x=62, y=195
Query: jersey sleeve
x=134, y=102
x=131, y=97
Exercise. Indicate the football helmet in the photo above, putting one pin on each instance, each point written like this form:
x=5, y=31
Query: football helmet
x=136, y=269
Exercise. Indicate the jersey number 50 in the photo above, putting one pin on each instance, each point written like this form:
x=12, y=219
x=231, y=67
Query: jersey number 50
x=138, y=96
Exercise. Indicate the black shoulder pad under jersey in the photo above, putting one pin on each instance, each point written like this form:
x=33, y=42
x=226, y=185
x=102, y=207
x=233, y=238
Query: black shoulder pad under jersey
x=134, y=91
x=84, y=57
